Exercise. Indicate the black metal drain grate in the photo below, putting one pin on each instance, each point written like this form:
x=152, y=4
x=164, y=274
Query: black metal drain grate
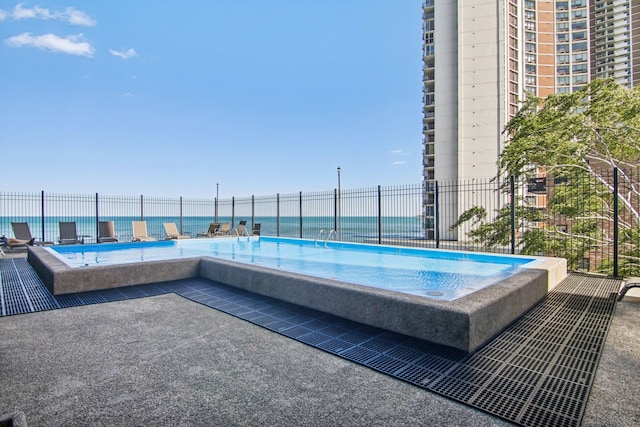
x=537, y=372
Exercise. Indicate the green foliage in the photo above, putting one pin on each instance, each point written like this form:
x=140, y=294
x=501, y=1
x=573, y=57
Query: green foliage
x=570, y=133
x=574, y=136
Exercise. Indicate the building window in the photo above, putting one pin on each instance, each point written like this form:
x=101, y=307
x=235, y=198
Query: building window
x=584, y=264
x=530, y=37
x=580, y=57
x=565, y=89
x=579, y=68
x=562, y=26
x=563, y=69
x=581, y=35
x=562, y=5
x=562, y=59
x=577, y=14
x=562, y=37
x=562, y=16
x=428, y=38
x=578, y=25
x=580, y=79
x=530, y=15
x=578, y=3
x=578, y=47
x=530, y=58
x=530, y=47
x=563, y=81
x=530, y=4
x=562, y=48
x=530, y=68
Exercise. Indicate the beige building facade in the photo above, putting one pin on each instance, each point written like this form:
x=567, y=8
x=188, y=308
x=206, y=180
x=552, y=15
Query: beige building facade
x=480, y=59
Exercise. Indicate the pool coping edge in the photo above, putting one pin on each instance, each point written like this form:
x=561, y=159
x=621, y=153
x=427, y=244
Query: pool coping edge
x=465, y=323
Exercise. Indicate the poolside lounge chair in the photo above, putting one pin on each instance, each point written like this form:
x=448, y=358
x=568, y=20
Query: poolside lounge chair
x=631, y=283
x=213, y=227
x=106, y=232
x=172, y=231
x=256, y=229
x=241, y=229
x=224, y=230
x=13, y=245
x=21, y=231
x=140, y=232
x=68, y=234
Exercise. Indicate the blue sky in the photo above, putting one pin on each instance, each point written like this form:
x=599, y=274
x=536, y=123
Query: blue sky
x=169, y=98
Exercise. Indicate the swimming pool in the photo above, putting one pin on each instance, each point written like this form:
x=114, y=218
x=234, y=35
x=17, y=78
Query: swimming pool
x=444, y=275
x=504, y=287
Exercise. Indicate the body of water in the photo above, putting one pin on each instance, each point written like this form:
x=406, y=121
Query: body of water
x=353, y=229
x=436, y=274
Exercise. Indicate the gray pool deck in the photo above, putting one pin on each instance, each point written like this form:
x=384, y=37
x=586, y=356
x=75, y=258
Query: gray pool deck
x=165, y=360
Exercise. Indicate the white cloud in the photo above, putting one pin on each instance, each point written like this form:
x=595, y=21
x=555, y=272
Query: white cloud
x=78, y=17
x=398, y=152
x=71, y=44
x=124, y=54
x=398, y=163
x=20, y=12
x=70, y=15
x=3, y=15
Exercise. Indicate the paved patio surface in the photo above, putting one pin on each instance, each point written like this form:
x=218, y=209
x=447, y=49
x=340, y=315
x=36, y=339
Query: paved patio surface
x=166, y=360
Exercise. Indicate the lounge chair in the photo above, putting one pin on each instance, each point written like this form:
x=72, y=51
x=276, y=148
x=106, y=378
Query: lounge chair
x=632, y=283
x=106, y=232
x=213, y=227
x=241, y=229
x=68, y=234
x=172, y=231
x=224, y=230
x=13, y=244
x=256, y=229
x=140, y=232
x=22, y=232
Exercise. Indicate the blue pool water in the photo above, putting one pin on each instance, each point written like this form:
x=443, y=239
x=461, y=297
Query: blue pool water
x=438, y=274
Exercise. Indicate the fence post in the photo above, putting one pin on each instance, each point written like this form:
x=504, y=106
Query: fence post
x=300, y=214
x=278, y=214
x=233, y=211
x=141, y=208
x=215, y=203
x=512, y=190
x=615, y=222
x=335, y=209
x=180, y=214
x=42, y=213
x=379, y=215
x=253, y=212
x=97, y=221
x=436, y=214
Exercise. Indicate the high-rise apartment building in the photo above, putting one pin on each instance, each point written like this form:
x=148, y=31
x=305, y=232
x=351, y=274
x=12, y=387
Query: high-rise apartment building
x=480, y=58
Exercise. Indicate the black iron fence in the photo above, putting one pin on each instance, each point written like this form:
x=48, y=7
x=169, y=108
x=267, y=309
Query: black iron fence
x=590, y=219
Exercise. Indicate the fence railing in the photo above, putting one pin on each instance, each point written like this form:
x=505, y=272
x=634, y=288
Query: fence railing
x=591, y=221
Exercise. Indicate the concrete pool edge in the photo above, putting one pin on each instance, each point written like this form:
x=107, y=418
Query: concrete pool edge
x=466, y=323
x=60, y=279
